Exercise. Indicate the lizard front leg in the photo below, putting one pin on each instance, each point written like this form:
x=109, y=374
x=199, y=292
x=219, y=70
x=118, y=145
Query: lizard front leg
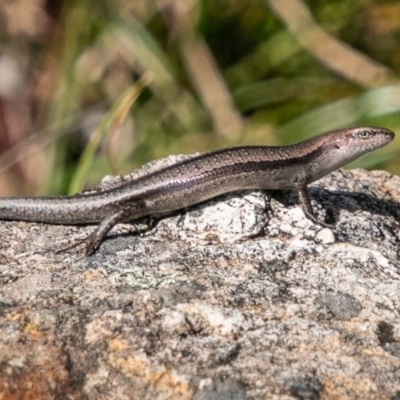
x=306, y=204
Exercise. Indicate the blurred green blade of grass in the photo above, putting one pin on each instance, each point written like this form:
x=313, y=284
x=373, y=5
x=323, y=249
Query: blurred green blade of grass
x=372, y=160
x=77, y=38
x=349, y=111
x=67, y=97
x=146, y=51
x=113, y=119
x=266, y=56
x=273, y=91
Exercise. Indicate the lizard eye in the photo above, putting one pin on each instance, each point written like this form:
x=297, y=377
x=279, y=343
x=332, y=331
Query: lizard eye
x=364, y=134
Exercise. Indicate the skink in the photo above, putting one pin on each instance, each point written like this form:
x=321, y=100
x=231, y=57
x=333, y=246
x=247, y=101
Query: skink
x=201, y=178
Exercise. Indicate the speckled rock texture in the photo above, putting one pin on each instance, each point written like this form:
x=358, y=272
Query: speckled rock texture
x=237, y=298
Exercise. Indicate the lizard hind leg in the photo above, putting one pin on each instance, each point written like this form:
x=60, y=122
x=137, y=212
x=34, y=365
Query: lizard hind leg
x=92, y=241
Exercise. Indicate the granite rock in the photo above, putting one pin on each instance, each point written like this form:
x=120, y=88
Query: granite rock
x=241, y=297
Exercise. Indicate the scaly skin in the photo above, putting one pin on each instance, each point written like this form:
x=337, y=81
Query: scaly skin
x=201, y=178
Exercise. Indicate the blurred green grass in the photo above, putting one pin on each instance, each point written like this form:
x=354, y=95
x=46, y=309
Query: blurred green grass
x=224, y=73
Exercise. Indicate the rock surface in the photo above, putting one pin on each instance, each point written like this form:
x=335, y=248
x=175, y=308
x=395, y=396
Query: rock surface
x=237, y=298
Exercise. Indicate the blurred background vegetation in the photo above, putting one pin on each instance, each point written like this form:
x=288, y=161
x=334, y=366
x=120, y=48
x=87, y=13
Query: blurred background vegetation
x=142, y=79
